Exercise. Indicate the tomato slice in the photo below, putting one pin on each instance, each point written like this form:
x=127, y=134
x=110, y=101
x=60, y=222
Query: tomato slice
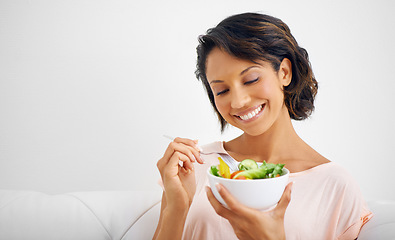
x=242, y=178
x=232, y=176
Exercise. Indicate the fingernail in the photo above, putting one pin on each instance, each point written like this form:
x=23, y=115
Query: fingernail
x=218, y=186
x=201, y=159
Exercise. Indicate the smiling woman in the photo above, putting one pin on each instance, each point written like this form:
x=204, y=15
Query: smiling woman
x=248, y=90
x=247, y=37
x=257, y=78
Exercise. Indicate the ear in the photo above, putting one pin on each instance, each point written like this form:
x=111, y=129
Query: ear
x=285, y=72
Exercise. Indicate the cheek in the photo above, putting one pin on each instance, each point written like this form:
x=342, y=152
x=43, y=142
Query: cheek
x=262, y=91
x=269, y=91
x=222, y=106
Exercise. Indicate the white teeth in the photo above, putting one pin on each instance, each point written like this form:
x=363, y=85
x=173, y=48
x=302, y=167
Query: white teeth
x=251, y=114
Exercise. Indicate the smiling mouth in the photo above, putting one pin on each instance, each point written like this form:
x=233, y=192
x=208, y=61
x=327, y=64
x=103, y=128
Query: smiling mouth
x=251, y=114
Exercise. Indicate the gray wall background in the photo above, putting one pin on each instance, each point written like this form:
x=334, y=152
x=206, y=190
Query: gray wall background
x=88, y=88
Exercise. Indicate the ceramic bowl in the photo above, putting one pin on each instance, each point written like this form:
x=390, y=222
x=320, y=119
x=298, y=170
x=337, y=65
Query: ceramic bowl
x=261, y=194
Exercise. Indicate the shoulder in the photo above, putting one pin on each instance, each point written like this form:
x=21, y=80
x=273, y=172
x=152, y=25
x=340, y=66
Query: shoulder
x=338, y=175
x=352, y=209
x=328, y=188
x=331, y=185
x=339, y=182
x=345, y=182
x=331, y=177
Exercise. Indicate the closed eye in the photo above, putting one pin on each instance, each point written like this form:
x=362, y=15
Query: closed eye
x=252, y=81
x=222, y=92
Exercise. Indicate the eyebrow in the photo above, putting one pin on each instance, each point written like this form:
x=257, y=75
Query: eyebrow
x=241, y=73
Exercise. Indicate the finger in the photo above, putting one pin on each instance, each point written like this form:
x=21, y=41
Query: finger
x=188, y=165
x=233, y=204
x=192, y=145
x=183, y=170
x=179, y=147
x=284, y=201
x=196, y=154
x=173, y=147
x=189, y=142
x=218, y=207
x=177, y=157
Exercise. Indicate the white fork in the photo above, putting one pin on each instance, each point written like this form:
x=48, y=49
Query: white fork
x=233, y=164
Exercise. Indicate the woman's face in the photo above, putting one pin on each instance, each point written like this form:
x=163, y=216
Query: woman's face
x=248, y=95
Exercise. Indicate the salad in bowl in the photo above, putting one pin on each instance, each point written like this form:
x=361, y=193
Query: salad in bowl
x=256, y=185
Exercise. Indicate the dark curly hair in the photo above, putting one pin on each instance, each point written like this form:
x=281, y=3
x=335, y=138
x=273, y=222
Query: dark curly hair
x=254, y=36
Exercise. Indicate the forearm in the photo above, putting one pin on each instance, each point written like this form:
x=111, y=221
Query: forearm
x=171, y=221
x=171, y=225
x=179, y=185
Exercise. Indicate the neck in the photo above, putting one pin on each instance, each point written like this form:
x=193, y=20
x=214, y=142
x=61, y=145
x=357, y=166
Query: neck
x=276, y=144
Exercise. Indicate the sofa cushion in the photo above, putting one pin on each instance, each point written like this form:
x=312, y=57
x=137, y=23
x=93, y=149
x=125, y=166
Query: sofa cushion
x=117, y=215
x=80, y=215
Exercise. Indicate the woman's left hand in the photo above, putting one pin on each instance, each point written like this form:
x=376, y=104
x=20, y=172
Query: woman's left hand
x=250, y=223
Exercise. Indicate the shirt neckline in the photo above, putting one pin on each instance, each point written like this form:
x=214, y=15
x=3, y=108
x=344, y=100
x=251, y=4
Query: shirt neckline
x=221, y=149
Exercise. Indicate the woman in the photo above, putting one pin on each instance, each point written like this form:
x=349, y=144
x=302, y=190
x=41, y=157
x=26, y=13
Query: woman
x=257, y=79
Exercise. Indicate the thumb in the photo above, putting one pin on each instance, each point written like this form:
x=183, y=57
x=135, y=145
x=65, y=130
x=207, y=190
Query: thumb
x=284, y=201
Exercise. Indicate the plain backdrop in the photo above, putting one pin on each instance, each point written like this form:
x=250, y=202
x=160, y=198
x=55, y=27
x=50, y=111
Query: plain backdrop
x=88, y=88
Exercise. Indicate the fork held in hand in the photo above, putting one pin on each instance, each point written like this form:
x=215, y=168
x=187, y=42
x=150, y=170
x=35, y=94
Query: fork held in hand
x=233, y=164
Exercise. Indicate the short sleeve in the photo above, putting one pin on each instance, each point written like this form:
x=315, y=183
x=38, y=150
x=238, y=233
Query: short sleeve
x=355, y=207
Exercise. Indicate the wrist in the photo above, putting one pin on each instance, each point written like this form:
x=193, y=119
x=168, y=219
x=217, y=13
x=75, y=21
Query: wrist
x=176, y=212
x=178, y=206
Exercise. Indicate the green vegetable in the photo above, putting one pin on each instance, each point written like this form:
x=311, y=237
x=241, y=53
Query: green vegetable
x=269, y=166
x=252, y=173
x=266, y=170
x=247, y=164
x=273, y=169
x=214, y=171
x=278, y=169
x=249, y=169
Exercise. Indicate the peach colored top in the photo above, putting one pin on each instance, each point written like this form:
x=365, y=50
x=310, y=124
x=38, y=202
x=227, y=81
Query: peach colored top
x=326, y=203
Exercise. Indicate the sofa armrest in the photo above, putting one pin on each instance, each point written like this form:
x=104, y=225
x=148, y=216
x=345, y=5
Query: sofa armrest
x=145, y=227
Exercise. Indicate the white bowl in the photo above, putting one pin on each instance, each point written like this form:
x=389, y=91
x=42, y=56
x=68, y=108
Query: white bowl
x=261, y=194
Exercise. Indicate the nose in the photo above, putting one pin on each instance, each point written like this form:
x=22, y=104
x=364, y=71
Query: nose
x=240, y=98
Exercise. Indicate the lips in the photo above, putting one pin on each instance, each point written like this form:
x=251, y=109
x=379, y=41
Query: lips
x=251, y=113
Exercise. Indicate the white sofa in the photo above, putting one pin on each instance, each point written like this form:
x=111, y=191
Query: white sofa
x=126, y=215
x=117, y=215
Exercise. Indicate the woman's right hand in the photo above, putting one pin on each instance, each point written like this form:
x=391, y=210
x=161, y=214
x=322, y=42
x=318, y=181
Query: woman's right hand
x=179, y=181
